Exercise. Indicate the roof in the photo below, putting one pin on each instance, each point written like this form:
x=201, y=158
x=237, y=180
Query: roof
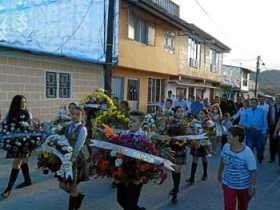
x=239, y=67
x=182, y=25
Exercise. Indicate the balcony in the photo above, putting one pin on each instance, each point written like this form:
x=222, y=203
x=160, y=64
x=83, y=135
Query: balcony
x=168, y=6
x=202, y=72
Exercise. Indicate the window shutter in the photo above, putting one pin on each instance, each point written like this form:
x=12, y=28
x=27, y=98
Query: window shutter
x=64, y=85
x=151, y=35
x=51, y=84
x=131, y=26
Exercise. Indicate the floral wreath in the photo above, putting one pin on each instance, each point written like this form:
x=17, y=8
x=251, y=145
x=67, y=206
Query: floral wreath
x=113, y=118
x=100, y=96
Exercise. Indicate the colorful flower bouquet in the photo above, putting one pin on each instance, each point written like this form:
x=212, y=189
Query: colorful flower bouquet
x=98, y=100
x=20, y=139
x=118, y=163
x=113, y=119
x=56, y=154
x=149, y=124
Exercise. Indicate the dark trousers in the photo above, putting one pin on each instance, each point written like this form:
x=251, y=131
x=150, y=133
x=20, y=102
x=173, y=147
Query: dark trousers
x=128, y=195
x=278, y=146
x=256, y=139
x=273, y=143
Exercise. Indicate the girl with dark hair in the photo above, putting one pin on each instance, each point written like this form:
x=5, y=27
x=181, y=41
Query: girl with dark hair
x=177, y=127
x=199, y=150
x=17, y=117
x=76, y=133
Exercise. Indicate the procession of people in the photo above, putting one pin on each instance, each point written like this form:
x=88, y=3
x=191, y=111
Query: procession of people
x=100, y=136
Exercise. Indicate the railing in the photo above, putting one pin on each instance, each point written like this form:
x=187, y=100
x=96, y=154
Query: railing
x=169, y=6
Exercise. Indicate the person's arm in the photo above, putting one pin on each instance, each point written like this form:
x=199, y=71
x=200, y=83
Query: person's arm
x=80, y=143
x=277, y=128
x=252, y=167
x=244, y=120
x=253, y=189
x=237, y=115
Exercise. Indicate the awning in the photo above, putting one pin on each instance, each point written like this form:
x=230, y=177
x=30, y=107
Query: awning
x=184, y=84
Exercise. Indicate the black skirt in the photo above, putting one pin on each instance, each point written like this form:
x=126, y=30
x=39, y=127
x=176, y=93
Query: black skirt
x=81, y=170
x=16, y=155
x=180, y=154
x=202, y=151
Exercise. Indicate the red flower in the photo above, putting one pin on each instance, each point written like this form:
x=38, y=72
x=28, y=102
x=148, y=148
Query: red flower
x=144, y=167
x=145, y=180
x=118, y=172
x=104, y=165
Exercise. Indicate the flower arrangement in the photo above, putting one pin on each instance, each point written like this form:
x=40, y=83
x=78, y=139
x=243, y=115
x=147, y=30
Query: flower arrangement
x=56, y=157
x=20, y=139
x=99, y=100
x=177, y=127
x=110, y=163
x=149, y=124
x=113, y=119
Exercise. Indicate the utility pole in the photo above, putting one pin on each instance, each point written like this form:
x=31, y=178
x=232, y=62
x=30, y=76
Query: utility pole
x=108, y=66
x=257, y=75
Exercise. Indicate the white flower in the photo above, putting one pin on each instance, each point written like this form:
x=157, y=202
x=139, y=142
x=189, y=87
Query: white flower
x=68, y=156
x=118, y=162
x=113, y=153
x=18, y=144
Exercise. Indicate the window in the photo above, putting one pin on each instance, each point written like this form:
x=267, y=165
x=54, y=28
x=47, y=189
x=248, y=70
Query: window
x=181, y=92
x=191, y=93
x=140, y=30
x=170, y=42
x=215, y=60
x=118, y=87
x=245, y=79
x=194, y=53
x=58, y=85
x=156, y=91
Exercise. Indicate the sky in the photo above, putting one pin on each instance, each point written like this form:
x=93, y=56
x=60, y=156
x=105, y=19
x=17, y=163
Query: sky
x=249, y=27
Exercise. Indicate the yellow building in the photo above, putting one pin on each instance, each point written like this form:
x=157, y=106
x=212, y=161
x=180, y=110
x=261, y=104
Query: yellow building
x=156, y=54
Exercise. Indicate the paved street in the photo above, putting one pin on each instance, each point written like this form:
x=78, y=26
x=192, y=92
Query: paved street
x=45, y=195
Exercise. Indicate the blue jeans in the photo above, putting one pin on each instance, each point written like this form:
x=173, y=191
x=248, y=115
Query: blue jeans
x=256, y=139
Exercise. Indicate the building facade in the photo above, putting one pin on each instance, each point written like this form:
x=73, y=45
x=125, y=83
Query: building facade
x=239, y=81
x=159, y=52
x=47, y=82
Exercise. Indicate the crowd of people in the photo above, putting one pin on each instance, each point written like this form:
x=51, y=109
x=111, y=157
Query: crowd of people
x=235, y=130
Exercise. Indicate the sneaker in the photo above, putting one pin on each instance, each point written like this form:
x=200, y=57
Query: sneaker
x=6, y=194
x=204, y=178
x=174, y=199
x=190, y=181
x=23, y=185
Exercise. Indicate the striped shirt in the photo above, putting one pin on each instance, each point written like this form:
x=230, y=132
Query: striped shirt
x=238, y=167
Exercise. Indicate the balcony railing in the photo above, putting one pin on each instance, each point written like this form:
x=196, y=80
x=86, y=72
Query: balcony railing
x=168, y=6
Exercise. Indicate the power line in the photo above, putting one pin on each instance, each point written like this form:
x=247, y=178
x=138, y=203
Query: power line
x=77, y=28
x=203, y=10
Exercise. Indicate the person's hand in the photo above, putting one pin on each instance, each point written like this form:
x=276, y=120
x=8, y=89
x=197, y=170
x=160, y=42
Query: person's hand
x=252, y=192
